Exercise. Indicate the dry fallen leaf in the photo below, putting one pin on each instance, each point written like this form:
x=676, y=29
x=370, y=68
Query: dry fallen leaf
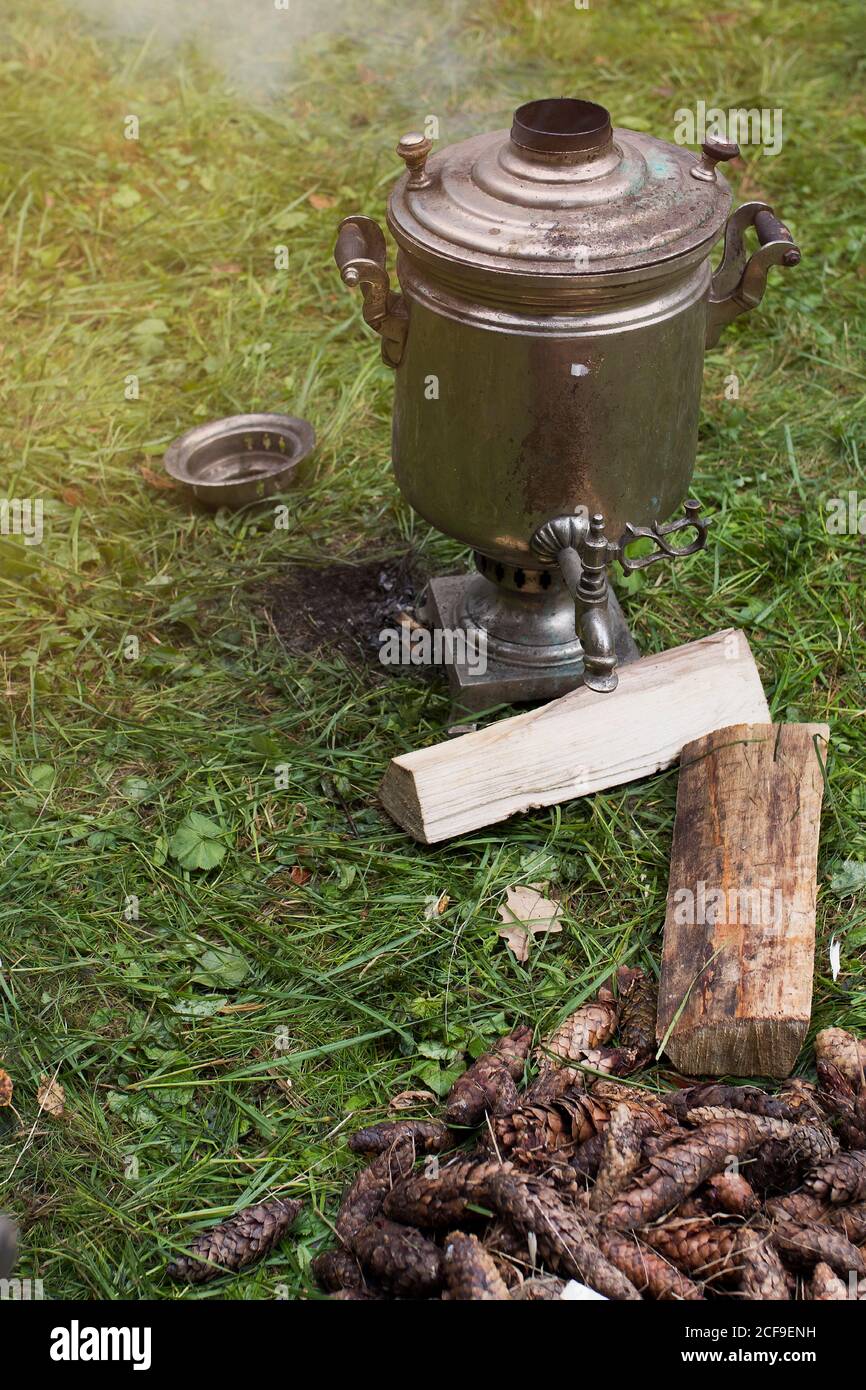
x=434, y=907
x=5, y=1088
x=300, y=876
x=157, y=480
x=71, y=496
x=526, y=912
x=320, y=201
x=411, y=1100
x=51, y=1096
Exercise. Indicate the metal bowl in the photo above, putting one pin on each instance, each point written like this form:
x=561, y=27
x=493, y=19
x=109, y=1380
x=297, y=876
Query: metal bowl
x=241, y=459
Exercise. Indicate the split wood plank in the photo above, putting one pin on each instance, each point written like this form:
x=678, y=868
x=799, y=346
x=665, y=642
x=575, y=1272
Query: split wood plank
x=580, y=743
x=739, y=943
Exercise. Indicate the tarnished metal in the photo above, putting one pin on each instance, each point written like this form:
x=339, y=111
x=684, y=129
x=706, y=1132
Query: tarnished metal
x=557, y=297
x=583, y=552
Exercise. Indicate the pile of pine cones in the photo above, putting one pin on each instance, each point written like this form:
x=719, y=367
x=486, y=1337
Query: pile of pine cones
x=703, y=1192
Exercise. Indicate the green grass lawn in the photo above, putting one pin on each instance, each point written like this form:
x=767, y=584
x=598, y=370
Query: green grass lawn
x=217, y=1046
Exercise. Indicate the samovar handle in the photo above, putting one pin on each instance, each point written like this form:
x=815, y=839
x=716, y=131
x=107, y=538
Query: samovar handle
x=739, y=283
x=360, y=256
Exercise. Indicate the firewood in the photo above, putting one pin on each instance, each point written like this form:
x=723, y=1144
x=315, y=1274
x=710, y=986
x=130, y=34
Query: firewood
x=736, y=979
x=825, y=1286
x=470, y=1272
x=841, y=1179
x=578, y=744
x=400, y=1259
x=489, y=1083
x=428, y=1136
x=841, y=1049
x=675, y=1173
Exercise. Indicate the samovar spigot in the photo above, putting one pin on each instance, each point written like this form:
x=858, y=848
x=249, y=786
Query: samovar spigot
x=582, y=551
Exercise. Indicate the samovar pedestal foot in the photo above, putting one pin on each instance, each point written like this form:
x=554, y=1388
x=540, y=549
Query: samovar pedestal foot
x=520, y=643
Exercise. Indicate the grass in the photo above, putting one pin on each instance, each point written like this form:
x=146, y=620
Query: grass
x=214, y=1047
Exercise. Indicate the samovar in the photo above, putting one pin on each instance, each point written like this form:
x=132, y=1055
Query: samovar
x=548, y=341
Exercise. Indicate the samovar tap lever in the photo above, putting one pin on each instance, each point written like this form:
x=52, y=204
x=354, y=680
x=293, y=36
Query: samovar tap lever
x=582, y=551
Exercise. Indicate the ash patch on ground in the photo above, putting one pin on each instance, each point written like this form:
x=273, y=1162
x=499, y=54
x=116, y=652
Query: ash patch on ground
x=343, y=607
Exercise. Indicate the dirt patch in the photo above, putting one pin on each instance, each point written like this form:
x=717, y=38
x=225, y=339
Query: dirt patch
x=343, y=607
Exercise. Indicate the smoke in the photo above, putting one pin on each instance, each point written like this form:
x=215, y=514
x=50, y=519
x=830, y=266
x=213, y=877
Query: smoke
x=261, y=47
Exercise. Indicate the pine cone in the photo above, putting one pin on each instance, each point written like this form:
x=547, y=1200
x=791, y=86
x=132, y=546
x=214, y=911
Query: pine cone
x=825, y=1286
x=565, y=1240
x=765, y=1126
x=762, y=1274
x=846, y=1105
x=336, y=1269
x=841, y=1179
x=699, y=1247
x=588, y=1027
x=645, y=1269
x=443, y=1201
x=470, y=1272
x=810, y=1243
x=797, y=1207
x=363, y=1201
x=620, y=1158
x=233, y=1244
x=730, y=1193
x=428, y=1136
x=748, y=1099
x=638, y=1003
x=399, y=1258
x=841, y=1049
x=489, y=1083
x=545, y=1289
x=850, y=1220
x=682, y=1167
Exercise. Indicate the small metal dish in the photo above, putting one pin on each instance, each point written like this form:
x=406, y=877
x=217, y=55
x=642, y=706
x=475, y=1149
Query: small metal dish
x=241, y=459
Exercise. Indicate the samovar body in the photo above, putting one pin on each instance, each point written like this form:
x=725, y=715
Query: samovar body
x=548, y=341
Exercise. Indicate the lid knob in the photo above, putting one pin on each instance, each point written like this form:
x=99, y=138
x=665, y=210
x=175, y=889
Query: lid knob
x=713, y=152
x=413, y=149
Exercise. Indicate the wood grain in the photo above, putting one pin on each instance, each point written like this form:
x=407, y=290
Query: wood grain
x=739, y=939
x=577, y=744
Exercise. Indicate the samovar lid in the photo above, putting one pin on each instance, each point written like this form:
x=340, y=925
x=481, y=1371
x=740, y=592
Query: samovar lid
x=562, y=194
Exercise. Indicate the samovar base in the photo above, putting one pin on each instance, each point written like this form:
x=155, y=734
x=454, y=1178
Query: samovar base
x=523, y=624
